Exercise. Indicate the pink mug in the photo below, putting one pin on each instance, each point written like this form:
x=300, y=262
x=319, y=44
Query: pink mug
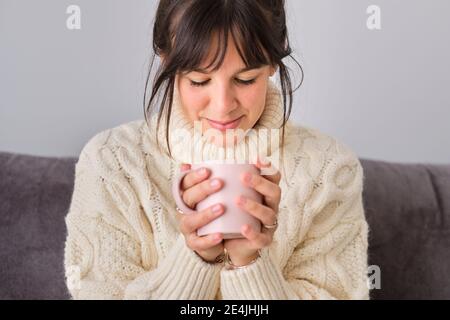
x=232, y=220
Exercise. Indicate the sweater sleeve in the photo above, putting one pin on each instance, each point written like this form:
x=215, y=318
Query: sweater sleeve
x=330, y=260
x=109, y=249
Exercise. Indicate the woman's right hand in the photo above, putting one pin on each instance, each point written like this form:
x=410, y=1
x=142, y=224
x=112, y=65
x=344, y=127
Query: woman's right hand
x=195, y=187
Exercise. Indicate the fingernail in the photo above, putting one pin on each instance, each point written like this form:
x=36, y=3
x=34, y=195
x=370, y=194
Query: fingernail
x=218, y=236
x=217, y=208
x=215, y=183
x=241, y=200
x=247, y=177
x=201, y=171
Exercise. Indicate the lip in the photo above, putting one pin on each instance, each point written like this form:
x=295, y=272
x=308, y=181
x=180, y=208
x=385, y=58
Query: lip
x=225, y=125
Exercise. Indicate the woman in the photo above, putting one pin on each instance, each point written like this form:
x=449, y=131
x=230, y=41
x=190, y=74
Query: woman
x=125, y=237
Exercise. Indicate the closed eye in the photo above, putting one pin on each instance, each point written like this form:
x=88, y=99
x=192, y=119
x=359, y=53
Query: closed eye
x=199, y=84
x=239, y=81
x=245, y=82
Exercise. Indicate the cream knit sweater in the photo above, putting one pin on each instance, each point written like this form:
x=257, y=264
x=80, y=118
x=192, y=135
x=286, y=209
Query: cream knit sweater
x=123, y=240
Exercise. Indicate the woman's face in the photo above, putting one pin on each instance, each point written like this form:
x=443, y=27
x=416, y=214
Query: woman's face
x=225, y=95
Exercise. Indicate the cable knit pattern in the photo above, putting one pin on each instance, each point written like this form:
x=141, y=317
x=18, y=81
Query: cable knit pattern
x=123, y=240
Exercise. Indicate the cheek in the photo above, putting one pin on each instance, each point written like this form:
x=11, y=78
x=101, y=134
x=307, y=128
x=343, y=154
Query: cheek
x=193, y=101
x=254, y=99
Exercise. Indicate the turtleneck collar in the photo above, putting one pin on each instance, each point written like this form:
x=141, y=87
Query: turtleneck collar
x=188, y=145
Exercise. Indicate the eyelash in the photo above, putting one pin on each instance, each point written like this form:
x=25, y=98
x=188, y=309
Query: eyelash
x=204, y=83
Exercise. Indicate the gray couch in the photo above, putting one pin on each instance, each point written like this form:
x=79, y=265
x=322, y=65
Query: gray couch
x=407, y=207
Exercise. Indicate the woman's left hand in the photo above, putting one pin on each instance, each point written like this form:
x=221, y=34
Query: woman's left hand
x=242, y=251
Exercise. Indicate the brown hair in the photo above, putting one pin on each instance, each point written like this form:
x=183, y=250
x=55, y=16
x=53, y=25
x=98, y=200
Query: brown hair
x=182, y=34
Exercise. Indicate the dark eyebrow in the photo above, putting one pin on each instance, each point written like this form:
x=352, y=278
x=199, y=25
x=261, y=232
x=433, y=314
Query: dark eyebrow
x=200, y=70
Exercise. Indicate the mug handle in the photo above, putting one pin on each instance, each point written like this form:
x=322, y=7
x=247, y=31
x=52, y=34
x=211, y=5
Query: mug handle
x=176, y=192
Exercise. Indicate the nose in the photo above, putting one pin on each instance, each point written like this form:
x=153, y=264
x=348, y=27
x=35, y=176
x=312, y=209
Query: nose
x=223, y=100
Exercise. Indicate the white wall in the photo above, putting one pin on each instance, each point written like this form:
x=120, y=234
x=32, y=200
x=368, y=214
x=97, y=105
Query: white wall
x=383, y=92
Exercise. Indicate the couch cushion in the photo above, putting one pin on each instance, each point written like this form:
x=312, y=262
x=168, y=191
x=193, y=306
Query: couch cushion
x=408, y=210
x=35, y=195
